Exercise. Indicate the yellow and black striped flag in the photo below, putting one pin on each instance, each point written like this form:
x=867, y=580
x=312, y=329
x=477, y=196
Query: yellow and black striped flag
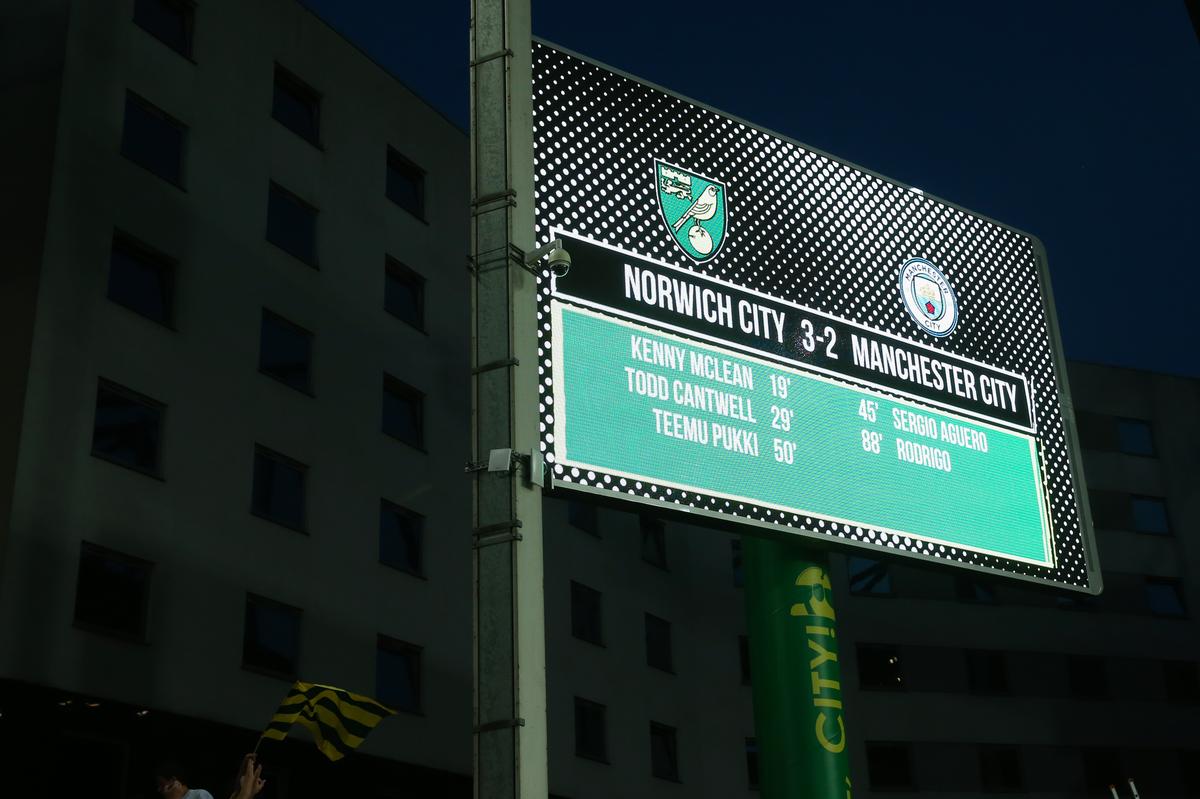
x=338, y=719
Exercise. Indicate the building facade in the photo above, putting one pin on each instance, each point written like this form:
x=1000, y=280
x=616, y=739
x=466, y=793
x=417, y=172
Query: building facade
x=235, y=422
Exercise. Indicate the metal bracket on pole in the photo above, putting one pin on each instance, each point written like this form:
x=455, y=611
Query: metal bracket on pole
x=502, y=459
x=501, y=724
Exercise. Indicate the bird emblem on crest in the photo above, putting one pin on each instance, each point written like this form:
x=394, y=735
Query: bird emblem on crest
x=694, y=209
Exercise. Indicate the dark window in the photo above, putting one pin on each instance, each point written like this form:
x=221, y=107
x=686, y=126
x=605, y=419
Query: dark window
x=271, y=639
x=970, y=589
x=111, y=592
x=153, y=139
x=404, y=293
x=654, y=541
x=1000, y=769
x=1102, y=768
x=586, y=622
x=869, y=576
x=403, y=412
x=278, y=488
x=583, y=515
x=169, y=21
x=744, y=658
x=1150, y=515
x=664, y=752
x=879, y=667
x=128, y=428
x=1134, y=437
x=739, y=570
x=1181, y=681
x=1112, y=434
x=658, y=643
x=1111, y=509
x=1163, y=597
x=752, y=763
x=986, y=672
x=398, y=674
x=292, y=224
x=141, y=279
x=401, y=533
x=285, y=352
x=1087, y=677
x=296, y=105
x=591, y=740
x=405, y=184
x=889, y=766
x=1076, y=602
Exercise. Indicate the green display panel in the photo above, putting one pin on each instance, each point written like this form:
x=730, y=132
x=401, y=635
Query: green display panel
x=645, y=405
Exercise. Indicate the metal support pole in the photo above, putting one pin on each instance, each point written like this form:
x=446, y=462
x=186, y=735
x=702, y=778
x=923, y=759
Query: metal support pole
x=795, y=673
x=509, y=627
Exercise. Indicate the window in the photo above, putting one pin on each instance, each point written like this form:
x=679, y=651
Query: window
x=664, y=752
x=403, y=412
x=111, y=592
x=1076, y=602
x=404, y=294
x=1116, y=510
x=968, y=589
x=658, y=643
x=879, y=667
x=128, y=428
x=1163, y=597
x=1150, y=515
x=278, y=488
x=1086, y=677
x=285, y=352
x=744, y=658
x=141, y=279
x=591, y=740
x=582, y=515
x=889, y=766
x=739, y=571
x=401, y=533
x=1102, y=768
x=292, y=224
x=169, y=21
x=1134, y=437
x=1000, y=769
x=405, y=184
x=296, y=105
x=271, y=638
x=398, y=674
x=654, y=541
x=585, y=614
x=986, y=672
x=1181, y=681
x=152, y=139
x=869, y=577
x=752, y=763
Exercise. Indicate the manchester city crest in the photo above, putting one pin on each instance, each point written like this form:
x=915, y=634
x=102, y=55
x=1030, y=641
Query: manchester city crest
x=928, y=297
x=694, y=209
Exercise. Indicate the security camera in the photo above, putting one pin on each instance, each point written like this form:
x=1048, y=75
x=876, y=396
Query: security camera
x=558, y=258
x=560, y=261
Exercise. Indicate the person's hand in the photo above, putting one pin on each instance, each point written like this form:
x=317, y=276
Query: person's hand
x=250, y=781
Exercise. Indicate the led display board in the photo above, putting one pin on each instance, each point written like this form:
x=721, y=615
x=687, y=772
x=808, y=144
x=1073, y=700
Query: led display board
x=758, y=332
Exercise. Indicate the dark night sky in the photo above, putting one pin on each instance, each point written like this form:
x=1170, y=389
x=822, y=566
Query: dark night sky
x=1076, y=121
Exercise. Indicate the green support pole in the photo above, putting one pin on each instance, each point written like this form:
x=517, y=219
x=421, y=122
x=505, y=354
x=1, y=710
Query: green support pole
x=795, y=672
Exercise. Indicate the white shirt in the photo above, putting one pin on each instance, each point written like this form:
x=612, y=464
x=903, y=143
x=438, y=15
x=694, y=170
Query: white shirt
x=197, y=793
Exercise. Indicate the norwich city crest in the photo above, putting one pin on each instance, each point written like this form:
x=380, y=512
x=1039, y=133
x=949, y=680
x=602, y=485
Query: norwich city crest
x=693, y=208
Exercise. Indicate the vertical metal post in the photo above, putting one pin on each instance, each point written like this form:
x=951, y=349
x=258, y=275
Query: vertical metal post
x=795, y=673
x=509, y=628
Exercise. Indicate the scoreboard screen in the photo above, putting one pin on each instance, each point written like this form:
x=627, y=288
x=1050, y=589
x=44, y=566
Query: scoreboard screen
x=755, y=331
